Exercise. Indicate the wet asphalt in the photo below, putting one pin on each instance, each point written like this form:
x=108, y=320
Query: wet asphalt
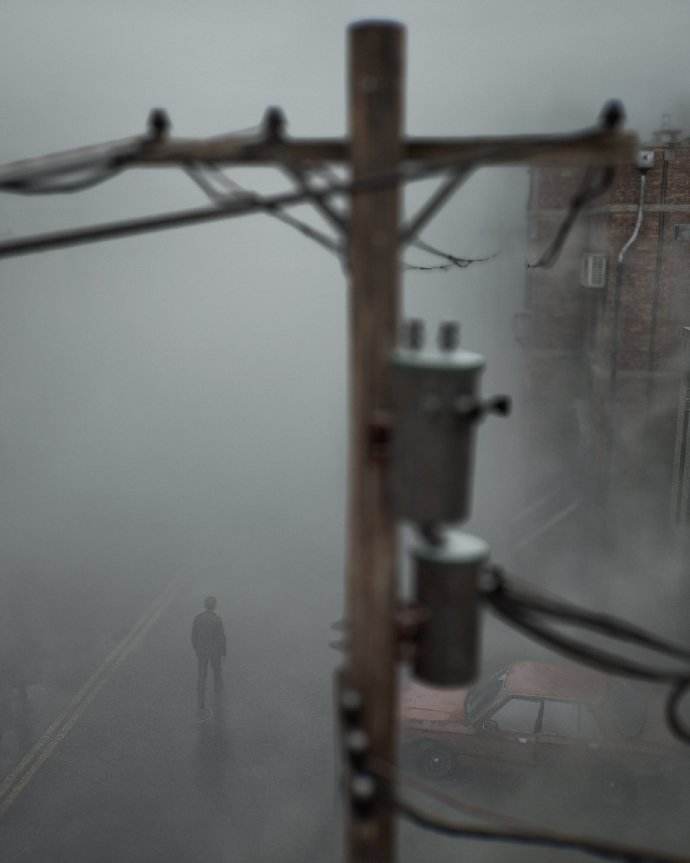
x=142, y=776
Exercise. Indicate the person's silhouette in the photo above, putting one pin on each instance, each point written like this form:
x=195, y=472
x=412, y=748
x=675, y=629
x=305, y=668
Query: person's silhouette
x=208, y=641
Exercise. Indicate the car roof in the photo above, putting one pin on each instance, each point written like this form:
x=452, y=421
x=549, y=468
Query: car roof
x=416, y=694
x=565, y=682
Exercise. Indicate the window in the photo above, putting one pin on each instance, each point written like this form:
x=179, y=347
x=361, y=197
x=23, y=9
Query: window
x=560, y=718
x=568, y=719
x=588, y=724
x=482, y=696
x=518, y=714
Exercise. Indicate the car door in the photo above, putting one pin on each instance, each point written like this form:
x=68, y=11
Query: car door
x=507, y=734
x=567, y=739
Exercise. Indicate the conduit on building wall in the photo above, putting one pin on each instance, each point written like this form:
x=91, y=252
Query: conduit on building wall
x=651, y=361
x=618, y=285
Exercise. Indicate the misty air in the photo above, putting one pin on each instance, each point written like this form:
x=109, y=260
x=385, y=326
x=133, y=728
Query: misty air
x=345, y=432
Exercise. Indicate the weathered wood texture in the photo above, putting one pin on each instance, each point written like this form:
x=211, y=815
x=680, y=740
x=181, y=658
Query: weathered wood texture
x=593, y=147
x=376, y=117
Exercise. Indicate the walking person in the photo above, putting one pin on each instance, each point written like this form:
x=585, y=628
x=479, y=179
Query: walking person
x=208, y=641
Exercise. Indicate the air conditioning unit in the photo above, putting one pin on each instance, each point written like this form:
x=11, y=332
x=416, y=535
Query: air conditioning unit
x=593, y=271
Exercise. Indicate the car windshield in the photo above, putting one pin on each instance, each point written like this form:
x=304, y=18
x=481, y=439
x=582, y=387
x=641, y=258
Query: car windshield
x=483, y=696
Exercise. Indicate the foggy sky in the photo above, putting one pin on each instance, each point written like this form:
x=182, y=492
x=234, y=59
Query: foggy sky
x=179, y=398
x=162, y=374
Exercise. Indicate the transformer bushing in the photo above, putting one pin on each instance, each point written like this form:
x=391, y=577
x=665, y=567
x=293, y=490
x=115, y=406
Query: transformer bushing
x=445, y=584
x=436, y=407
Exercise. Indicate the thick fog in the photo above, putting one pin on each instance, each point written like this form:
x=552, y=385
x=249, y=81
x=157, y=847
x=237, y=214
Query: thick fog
x=173, y=407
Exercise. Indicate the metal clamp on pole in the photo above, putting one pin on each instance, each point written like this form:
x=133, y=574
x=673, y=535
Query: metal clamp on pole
x=361, y=786
x=363, y=795
x=351, y=705
x=473, y=410
x=357, y=748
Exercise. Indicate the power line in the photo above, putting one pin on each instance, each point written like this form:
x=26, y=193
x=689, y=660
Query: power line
x=515, y=830
x=568, y=612
x=51, y=187
x=594, y=184
x=672, y=710
x=450, y=800
x=101, y=158
x=97, y=157
x=230, y=208
x=524, y=610
x=112, y=158
x=452, y=261
x=235, y=191
x=544, y=838
x=456, y=260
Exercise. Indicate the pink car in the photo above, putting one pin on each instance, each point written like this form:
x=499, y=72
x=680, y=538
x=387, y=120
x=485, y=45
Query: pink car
x=534, y=717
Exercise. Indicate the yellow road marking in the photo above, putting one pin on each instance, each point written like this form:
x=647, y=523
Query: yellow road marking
x=17, y=780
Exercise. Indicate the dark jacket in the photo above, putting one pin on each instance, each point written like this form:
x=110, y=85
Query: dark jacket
x=208, y=635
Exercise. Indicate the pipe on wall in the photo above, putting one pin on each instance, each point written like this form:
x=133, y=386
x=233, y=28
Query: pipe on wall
x=618, y=285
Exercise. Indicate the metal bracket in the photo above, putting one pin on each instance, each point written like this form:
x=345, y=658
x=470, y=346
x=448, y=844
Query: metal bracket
x=380, y=436
x=472, y=409
x=362, y=787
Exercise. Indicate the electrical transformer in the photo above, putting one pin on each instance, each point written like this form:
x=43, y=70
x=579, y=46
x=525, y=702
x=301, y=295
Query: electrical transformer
x=436, y=407
x=445, y=584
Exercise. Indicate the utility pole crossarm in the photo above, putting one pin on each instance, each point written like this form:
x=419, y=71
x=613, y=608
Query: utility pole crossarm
x=592, y=146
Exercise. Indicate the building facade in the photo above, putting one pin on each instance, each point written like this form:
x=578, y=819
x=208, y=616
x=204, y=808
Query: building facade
x=605, y=338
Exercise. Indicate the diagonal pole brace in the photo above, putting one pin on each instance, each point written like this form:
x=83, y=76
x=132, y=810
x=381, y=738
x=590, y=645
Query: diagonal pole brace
x=222, y=197
x=410, y=231
x=336, y=219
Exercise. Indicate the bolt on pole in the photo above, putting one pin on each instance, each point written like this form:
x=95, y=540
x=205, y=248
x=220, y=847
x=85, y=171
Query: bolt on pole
x=376, y=117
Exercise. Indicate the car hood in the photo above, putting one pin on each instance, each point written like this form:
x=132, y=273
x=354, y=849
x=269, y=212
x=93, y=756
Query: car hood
x=420, y=703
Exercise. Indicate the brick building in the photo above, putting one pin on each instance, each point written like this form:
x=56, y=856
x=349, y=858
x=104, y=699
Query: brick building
x=604, y=346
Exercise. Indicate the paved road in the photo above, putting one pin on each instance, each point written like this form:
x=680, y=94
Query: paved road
x=131, y=774
x=128, y=774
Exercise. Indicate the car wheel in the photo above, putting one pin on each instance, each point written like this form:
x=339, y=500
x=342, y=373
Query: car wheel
x=435, y=761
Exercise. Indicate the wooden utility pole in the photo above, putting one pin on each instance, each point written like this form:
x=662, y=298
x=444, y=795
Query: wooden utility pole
x=376, y=60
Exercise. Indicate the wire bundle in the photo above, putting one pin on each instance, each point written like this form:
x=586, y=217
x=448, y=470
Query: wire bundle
x=594, y=184
x=504, y=828
x=86, y=167
x=528, y=611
